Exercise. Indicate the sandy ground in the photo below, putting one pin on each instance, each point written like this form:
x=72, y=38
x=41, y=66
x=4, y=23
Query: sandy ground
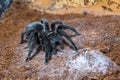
x=97, y=32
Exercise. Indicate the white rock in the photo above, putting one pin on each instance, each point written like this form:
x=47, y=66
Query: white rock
x=91, y=61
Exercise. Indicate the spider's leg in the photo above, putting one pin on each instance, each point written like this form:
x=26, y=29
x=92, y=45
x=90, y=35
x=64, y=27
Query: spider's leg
x=47, y=26
x=31, y=47
x=22, y=37
x=74, y=30
x=47, y=53
x=62, y=33
x=54, y=51
x=45, y=22
x=39, y=48
x=32, y=40
x=46, y=58
x=63, y=26
x=60, y=41
x=54, y=23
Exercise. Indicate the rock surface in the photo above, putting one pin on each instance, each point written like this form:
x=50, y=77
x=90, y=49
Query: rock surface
x=74, y=3
x=90, y=63
x=96, y=7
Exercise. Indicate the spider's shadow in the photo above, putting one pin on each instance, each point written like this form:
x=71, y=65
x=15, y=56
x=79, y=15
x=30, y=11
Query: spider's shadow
x=39, y=48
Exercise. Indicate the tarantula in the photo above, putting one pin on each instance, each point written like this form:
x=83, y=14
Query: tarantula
x=37, y=33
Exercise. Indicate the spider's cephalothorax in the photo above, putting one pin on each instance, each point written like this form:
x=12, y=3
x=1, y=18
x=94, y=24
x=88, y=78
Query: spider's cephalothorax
x=39, y=33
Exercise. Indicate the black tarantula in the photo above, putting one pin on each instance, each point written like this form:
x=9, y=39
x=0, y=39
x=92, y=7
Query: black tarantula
x=40, y=33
